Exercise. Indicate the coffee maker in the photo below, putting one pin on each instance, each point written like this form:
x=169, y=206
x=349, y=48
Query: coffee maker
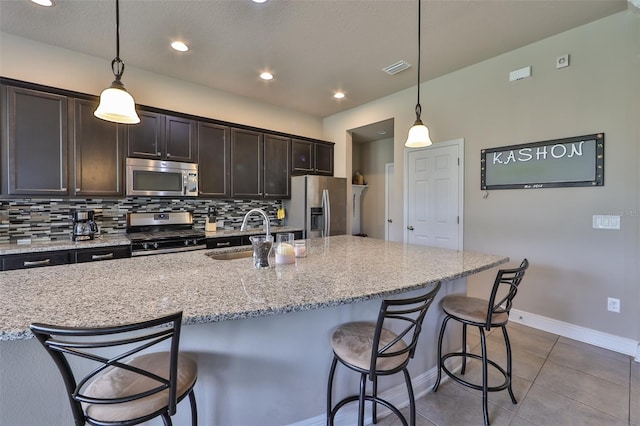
x=84, y=227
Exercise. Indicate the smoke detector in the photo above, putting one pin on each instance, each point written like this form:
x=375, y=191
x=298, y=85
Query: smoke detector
x=396, y=68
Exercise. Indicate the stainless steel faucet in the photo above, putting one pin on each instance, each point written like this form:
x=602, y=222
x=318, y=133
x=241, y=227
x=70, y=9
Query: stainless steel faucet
x=267, y=225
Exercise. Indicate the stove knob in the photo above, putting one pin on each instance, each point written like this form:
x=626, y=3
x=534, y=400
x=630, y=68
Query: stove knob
x=155, y=245
x=186, y=242
x=145, y=246
x=194, y=242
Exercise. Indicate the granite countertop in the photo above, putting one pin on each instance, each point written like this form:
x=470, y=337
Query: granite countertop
x=120, y=240
x=338, y=270
x=252, y=231
x=100, y=241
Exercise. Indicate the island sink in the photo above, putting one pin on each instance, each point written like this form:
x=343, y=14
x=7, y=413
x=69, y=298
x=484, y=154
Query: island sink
x=231, y=255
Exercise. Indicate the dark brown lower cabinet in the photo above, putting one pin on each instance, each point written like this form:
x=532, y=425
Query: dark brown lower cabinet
x=102, y=253
x=36, y=260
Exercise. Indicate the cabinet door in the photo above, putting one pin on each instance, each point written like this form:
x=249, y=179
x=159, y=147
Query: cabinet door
x=144, y=140
x=301, y=157
x=323, y=159
x=102, y=253
x=246, y=164
x=277, y=166
x=35, y=260
x=98, y=153
x=214, y=153
x=180, y=139
x=36, y=142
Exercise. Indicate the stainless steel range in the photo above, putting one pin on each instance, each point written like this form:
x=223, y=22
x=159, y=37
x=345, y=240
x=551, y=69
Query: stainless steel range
x=155, y=233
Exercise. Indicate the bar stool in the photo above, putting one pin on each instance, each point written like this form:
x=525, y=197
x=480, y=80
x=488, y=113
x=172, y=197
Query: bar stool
x=484, y=315
x=372, y=349
x=127, y=388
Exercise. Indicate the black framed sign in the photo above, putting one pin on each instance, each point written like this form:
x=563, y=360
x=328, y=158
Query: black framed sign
x=576, y=161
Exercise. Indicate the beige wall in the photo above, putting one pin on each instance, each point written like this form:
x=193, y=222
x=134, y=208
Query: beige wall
x=23, y=59
x=574, y=267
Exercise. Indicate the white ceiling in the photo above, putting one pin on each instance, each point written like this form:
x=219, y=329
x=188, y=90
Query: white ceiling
x=313, y=47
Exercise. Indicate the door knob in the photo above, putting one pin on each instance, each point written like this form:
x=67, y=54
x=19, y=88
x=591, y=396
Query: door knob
x=410, y=228
x=390, y=220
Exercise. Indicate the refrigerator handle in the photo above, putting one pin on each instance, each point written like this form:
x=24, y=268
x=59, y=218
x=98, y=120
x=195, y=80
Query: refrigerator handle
x=326, y=205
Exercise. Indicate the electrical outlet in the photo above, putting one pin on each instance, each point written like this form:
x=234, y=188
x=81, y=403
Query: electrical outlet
x=613, y=305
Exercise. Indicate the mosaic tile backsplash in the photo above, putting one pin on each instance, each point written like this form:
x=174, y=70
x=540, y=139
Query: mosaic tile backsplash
x=50, y=219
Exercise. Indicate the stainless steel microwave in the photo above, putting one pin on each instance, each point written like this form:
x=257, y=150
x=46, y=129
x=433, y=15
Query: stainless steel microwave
x=161, y=178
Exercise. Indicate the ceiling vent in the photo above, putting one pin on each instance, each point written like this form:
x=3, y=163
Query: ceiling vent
x=396, y=68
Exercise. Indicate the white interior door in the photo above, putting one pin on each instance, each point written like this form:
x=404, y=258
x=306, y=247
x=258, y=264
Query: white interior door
x=434, y=198
x=389, y=173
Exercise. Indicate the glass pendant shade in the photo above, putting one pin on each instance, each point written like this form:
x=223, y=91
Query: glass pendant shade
x=419, y=133
x=117, y=105
x=418, y=136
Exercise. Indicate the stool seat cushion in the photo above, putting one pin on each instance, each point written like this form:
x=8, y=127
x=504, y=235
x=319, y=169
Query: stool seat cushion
x=352, y=343
x=116, y=382
x=472, y=309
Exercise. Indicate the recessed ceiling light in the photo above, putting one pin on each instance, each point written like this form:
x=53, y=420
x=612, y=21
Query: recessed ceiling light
x=179, y=46
x=46, y=3
x=259, y=1
x=266, y=75
x=338, y=95
x=381, y=132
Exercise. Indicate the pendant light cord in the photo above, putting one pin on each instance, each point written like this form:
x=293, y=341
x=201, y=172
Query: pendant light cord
x=418, y=107
x=117, y=66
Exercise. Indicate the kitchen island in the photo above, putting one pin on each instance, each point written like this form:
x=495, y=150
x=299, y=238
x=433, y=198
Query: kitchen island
x=256, y=365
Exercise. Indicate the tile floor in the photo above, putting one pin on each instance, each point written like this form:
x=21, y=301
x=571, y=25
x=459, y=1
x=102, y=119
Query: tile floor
x=557, y=381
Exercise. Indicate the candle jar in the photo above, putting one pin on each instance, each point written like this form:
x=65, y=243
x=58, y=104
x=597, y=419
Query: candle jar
x=300, y=248
x=284, y=248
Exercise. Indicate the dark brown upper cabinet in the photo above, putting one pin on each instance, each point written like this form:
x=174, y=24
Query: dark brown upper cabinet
x=260, y=164
x=35, y=142
x=314, y=158
x=162, y=137
x=214, y=163
x=277, y=166
x=246, y=164
x=98, y=153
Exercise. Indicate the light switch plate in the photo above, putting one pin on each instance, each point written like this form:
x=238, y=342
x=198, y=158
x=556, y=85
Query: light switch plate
x=606, y=221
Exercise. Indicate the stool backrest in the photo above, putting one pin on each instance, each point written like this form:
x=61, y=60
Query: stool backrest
x=65, y=343
x=505, y=277
x=408, y=314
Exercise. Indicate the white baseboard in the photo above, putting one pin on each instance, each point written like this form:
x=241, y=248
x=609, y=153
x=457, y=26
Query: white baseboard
x=593, y=337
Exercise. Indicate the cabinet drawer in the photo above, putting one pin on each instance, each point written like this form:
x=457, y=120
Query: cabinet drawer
x=35, y=260
x=222, y=242
x=103, y=253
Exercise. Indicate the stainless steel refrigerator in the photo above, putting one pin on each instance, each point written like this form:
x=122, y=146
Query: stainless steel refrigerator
x=318, y=204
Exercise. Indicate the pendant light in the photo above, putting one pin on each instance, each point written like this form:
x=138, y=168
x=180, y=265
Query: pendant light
x=116, y=104
x=419, y=133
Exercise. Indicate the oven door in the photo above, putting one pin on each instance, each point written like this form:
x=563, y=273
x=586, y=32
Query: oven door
x=159, y=178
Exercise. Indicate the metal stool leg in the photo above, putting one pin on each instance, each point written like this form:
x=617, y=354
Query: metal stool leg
x=508, y=345
x=194, y=408
x=374, y=404
x=464, y=348
x=412, y=400
x=329, y=390
x=485, y=378
x=363, y=390
x=439, y=376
